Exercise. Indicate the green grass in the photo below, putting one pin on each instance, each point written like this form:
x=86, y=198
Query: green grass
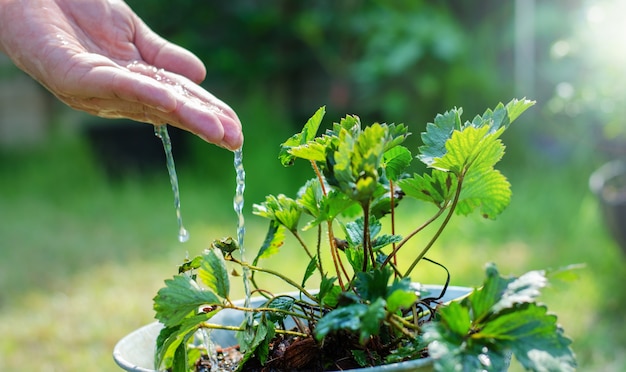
x=82, y=257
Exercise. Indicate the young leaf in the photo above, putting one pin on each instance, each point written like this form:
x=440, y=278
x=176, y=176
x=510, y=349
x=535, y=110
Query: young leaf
x=180, y=298
x=280, y=208
x=313, y=150
x=256, y=339
x=308, y=134
x=214, y=274
x=310, y=197
x=395, y=161
x=396, y=134
x=331, y=205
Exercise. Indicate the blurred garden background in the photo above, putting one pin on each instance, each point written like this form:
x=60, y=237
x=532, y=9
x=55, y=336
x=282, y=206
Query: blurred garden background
x=87, y=225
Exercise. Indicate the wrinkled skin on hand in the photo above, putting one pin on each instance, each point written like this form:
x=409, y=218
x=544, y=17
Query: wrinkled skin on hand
x=98, y=56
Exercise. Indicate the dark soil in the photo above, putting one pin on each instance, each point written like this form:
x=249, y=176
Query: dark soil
x=289, y=353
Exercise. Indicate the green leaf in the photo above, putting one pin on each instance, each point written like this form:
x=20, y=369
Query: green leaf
x=311, y=196
x=488, y=191
x=179, y=364
x=396, y=134
x=281, y=303
x=400, y=299
x=313, y=150
x=500, y=293
x=502, y=116
x=274, y=239
x=372, y=285
x=395, y=161
x=524, y=289
x=438, y=188
x=482, y=301
x=343, y=318
x=472, y=147
x=361, y=357
x=171, y=339
x=371, y=320
x=437, y=134
x=308, y=133
x=214, y=274
x=189, y=265
x=331, y=205
x=456, y=318
x=326, y=287
x=384, y=240
x=280, y=208
x=180, y=298
x=256, y=339
x=476, y=333
x=534, y=337
x=310, y=270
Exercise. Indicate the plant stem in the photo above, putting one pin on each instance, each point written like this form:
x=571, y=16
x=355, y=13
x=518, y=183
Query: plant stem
x=412, y=234
x=367, y=244
x=306, y=249
x=239, y=329
x=393, y=219
x=265, y=309
x=455, y=201
x=275, y=273
x=339, y=269
x=319, y=248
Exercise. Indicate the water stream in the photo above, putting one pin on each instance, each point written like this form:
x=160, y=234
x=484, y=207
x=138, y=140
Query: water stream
x=161, y=132
x=241, y=230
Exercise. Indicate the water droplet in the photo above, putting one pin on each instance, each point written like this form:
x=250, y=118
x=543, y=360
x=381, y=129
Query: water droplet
x=161, y=132
x=183, y=235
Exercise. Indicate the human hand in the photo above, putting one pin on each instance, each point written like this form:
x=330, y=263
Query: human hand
x=98, y=56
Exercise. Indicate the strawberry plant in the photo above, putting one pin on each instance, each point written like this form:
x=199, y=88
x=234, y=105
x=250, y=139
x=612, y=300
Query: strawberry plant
x=365, y=310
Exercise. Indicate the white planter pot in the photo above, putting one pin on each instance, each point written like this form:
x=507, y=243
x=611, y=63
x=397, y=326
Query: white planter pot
x=135, y=352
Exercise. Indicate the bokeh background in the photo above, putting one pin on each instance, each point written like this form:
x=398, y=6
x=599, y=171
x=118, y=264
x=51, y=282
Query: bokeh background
x=87, y=224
